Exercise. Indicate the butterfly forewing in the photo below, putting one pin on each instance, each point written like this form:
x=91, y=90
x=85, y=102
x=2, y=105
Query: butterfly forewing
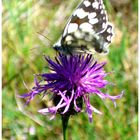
x=89, y=15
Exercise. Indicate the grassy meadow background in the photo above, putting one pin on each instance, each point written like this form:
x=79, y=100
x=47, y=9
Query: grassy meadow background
x=22, y=57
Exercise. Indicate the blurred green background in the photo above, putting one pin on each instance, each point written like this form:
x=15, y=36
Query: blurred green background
x=22, y=56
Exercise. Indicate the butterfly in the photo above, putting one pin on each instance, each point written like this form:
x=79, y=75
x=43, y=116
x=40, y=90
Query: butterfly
x=87, y=30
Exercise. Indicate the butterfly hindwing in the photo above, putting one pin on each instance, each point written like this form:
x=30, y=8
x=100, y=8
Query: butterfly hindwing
x=104, y=39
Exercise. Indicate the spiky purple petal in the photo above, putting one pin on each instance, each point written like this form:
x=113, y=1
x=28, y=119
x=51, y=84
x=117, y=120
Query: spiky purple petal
x=72, y=80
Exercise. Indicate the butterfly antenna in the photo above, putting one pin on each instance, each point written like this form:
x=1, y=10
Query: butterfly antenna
x=50, y=41
x=46, y=38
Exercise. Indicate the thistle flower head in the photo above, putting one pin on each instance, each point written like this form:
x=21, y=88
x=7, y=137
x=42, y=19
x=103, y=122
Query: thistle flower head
x=72, y=80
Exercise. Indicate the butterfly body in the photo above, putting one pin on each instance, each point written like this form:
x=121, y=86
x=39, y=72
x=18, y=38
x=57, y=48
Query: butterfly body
x=87, y=30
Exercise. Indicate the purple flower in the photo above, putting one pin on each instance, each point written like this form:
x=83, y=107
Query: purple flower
x=72, y=80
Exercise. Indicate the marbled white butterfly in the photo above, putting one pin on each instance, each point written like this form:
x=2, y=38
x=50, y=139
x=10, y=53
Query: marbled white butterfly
x=87, y=30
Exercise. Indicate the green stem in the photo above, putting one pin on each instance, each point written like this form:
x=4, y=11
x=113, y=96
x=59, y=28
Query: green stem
x=65, y=120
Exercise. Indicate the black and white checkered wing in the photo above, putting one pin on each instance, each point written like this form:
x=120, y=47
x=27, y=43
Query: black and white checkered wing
x=90, y=16
x=105, y=38
x=86, y=29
